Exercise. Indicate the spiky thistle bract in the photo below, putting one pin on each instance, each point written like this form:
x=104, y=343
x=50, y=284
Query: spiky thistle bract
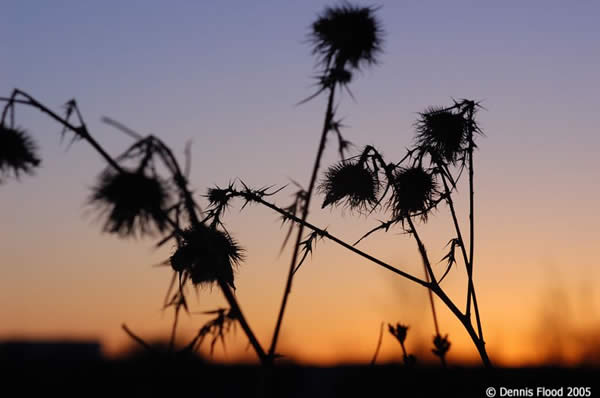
x=207, y=254
x=442, y=133
x=346, y=34
x=132, y=202
x=17, y=152
x=352, y=183
x=413, y=191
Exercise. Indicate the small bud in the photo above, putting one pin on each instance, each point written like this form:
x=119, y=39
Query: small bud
x=441, y=344
x=399, y=332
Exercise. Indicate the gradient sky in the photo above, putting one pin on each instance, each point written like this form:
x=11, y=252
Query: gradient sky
x=226, y=75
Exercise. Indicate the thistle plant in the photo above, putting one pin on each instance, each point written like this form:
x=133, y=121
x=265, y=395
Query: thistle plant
x=144, y=191
x=137, y=201
x=345, y=38
x=409, y=190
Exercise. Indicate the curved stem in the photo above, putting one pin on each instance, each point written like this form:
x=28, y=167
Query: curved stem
x=242, y=320
x=290, y=277
x=472, y=219
x=479, y=344
x=174, y=330
x=429, y=276
x=83, y=133
x=333, y=238
x=471, y=288
x=181, y=182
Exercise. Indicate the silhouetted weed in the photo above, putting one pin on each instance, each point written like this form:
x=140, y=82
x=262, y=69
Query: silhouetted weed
x=18, y=152
x=138, y=200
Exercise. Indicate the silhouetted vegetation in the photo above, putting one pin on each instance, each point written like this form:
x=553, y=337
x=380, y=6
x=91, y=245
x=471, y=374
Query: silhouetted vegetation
x=135, y=197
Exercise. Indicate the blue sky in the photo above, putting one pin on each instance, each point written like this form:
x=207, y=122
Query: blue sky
x=227, y=76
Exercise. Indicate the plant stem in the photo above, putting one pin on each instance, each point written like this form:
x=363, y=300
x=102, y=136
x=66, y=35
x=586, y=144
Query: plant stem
x=137, y=338
x=404, y=353
x=174, y=330
x=429, y=276
x=379, y=340
x=311, y=185
x=333, y=238
x=479, y=344
x=471, y=287
x=83, y=133
x=229, y=296
x=472, y=220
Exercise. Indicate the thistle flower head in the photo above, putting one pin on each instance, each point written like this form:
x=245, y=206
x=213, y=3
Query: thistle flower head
x=398, y=331
x=413, y=190
x=17, y=152
x=441, y=345
x=442, y=133
x=347, y=34
x=351, y=182
x=218, y=197
x=207, y=254
x=132, y=200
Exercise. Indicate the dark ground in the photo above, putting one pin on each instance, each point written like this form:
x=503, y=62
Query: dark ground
x=147, y=377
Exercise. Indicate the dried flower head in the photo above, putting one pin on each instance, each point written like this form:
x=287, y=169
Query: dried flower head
x=347, y=34
x=219, y=197
x=351, y=182
x=398, y=331
x=413, y=190
x=207, y=254
x=441, y=345
x=132, y=200
x=442, y=133
x=17, y=152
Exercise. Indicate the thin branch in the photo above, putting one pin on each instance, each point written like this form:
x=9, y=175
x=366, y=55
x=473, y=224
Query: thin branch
x=288, y=285
x=322, y=232
x=429, y=276
x=379, y=345
x=470, y=288
x=138, y=339
x=121, y=127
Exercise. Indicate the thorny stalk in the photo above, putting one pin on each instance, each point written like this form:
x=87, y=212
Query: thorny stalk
x=432, y=285
x=471, y=126
x=305, y=210
x=81, y=132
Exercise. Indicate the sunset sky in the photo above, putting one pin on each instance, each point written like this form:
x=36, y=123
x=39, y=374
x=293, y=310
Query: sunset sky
x=227, y=75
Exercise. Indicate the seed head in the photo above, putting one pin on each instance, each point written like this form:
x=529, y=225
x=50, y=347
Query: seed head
x=442, y=133
x=17, y=152
x=413, y=190
x=132, y=200
x=207, y=254
x=398, y=331
x=441, y=345
x=346, y=34
x=351, y=182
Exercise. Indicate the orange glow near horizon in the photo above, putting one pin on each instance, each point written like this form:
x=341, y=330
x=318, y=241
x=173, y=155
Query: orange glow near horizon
x=226, y=76
x=333, y=316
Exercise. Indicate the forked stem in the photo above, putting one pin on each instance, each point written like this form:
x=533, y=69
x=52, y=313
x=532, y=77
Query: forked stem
x=83, y=133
